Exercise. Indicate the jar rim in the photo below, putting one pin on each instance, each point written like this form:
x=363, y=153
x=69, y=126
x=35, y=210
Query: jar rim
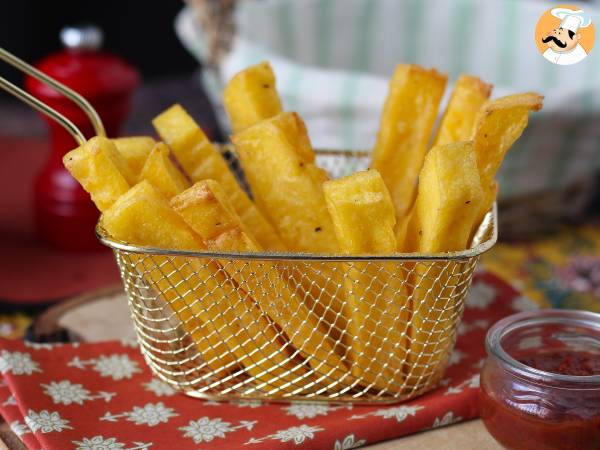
x=539, y=317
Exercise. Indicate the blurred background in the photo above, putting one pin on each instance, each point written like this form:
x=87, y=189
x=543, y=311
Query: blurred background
x=143, y=36
x=332, y=59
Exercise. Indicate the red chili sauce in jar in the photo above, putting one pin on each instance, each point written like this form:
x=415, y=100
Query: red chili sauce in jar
x=540, y=386
x=562, y=361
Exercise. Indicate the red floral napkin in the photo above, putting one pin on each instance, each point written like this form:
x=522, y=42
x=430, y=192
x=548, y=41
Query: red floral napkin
x=102, y=396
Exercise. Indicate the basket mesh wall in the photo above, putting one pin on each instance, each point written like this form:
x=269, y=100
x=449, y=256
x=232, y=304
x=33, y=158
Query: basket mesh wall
x=276, y=327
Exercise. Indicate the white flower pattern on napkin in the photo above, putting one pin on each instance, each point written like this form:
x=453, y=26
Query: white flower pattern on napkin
x=400, y=413
x=348, y=443
x=297, y=434
x=101, y=443
x=116, y=366
x=159, y=388
x=150, y=414
x=481, y=295
x=307, y=410
x=206, y=429
x=19, y=428
x=46, y=421
x=65, y=392
x=98, y=443
x=17, y=363
x=447, y=419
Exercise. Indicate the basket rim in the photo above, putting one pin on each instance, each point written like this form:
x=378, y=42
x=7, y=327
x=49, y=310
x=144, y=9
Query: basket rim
x=488, y=225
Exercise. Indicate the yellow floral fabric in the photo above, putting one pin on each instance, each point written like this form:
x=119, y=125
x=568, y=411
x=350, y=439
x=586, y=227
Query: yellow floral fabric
x=560, y=270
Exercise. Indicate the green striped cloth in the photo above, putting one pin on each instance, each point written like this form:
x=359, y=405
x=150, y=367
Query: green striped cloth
x=333, y=58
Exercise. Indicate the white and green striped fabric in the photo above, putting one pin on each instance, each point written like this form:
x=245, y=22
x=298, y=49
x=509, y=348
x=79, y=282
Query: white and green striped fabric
x=333, y=58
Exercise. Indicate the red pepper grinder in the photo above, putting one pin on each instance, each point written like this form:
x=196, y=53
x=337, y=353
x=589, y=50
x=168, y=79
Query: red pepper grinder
x=65, y=216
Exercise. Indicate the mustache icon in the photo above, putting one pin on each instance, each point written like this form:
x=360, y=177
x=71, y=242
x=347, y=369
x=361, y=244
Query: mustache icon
x=555, y=40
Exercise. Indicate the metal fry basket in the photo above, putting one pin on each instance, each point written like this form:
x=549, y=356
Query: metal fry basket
x=297, y=326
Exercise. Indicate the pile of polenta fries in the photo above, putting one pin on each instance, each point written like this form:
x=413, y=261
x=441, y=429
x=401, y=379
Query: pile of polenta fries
x=342, y=327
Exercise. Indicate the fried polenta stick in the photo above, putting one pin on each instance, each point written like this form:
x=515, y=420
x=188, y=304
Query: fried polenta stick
x=447, y=205
x=251, y=96
x=364, y=218
x=101, y=170
x=139, y=215
x=202, y=161
x=362, y=213
x=135, y=150
x=97, y=166
x=160, y=171
x=279, y=164
x=206, y=209
x=450, y=191
x=142, y=216
x=499, y=124
x=197, y=291
x=468, y=95
x=408, y=116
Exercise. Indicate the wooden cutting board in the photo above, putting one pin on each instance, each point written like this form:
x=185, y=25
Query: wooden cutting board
x=104, y=315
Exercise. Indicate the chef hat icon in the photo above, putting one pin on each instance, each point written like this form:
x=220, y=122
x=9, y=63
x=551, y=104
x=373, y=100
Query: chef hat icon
x=571, y=20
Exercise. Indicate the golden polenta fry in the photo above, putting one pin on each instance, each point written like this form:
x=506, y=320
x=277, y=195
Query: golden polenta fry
x=206, y=209
x=450, y=193
x=135, y=150
x=142, y=216
x=408, y=116
x=406, y=239
x=287, y=186
x=160, y=171
x=251, y=96
x=198, y=291
x=202, y=161
x=363, y=218
x=258, y=337
x=212, y=217
x=445, y=210
x=101, y=170
x=362, y=213
x=490, y=192
x=499, y=124
x=142, y=204
x=468, y=95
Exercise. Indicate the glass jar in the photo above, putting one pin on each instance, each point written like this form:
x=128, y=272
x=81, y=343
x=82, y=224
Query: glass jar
x=540, y=385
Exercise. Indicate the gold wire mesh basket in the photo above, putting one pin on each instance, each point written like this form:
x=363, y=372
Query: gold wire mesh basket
x=296, y=326
x=288, y=326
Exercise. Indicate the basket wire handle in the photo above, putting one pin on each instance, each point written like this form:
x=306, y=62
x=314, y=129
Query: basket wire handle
x=42, y=107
